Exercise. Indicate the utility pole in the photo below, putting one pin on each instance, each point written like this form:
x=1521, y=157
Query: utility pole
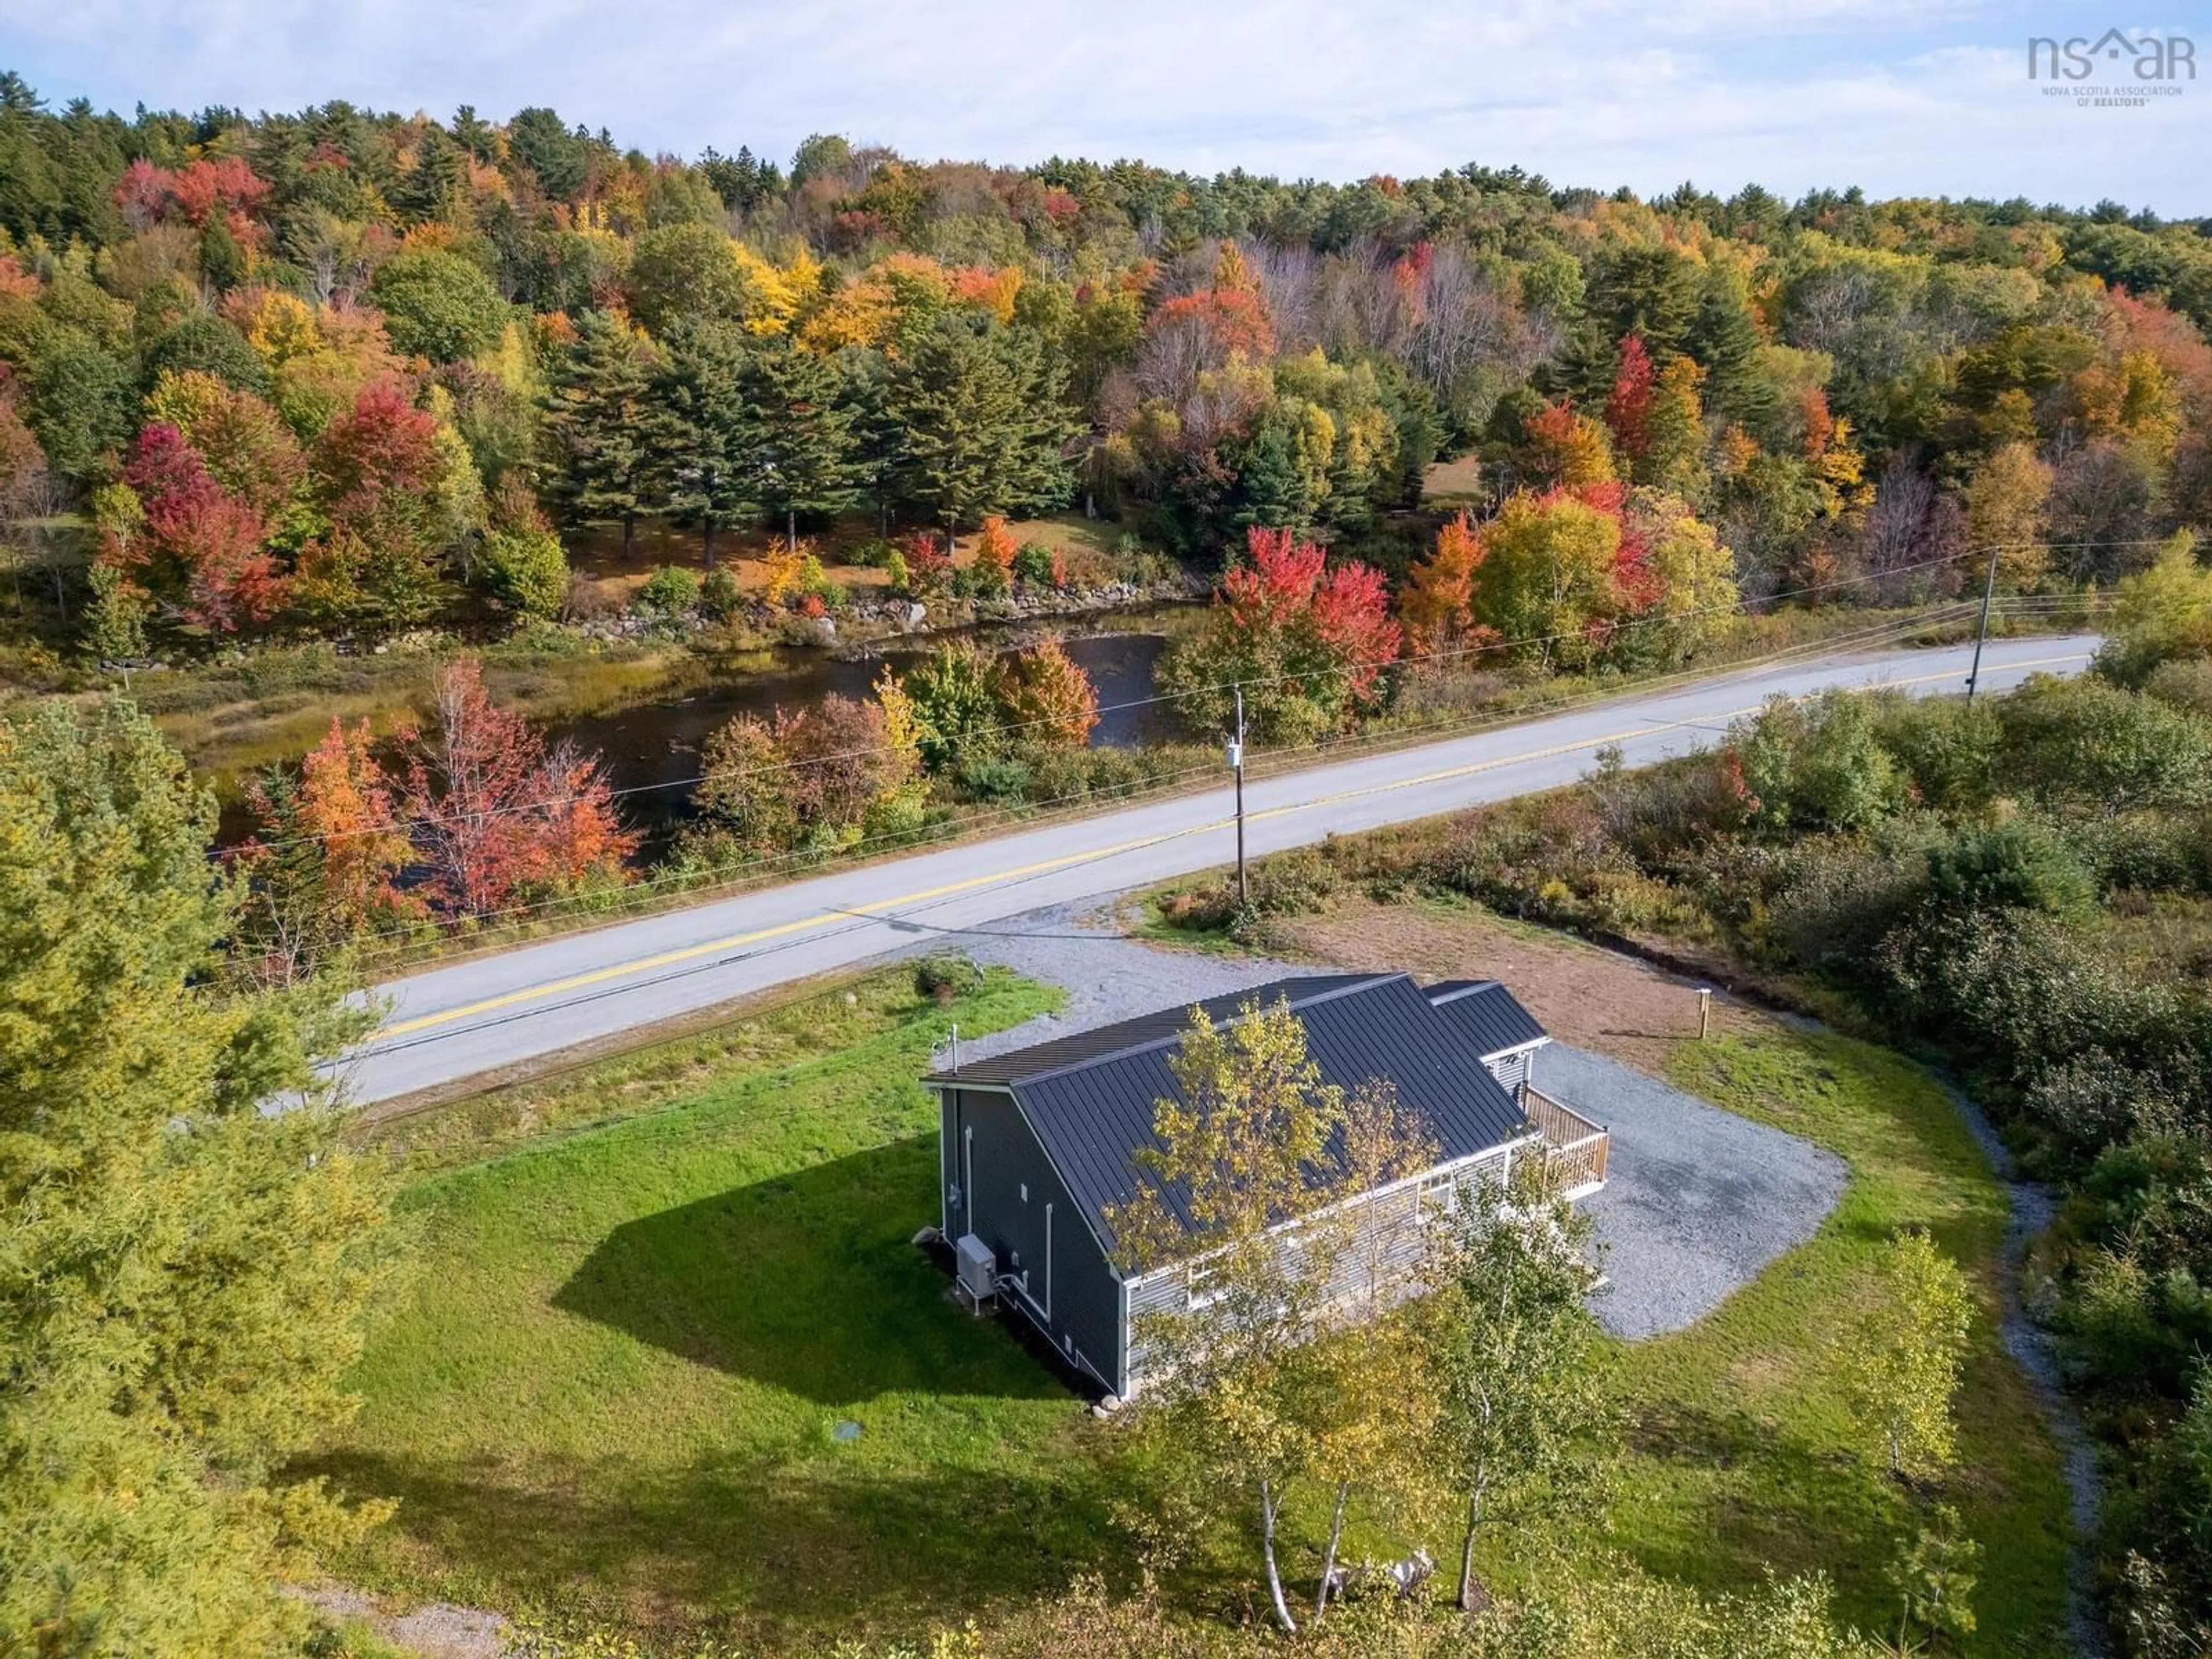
x=1237, y=760
x=1982, y=632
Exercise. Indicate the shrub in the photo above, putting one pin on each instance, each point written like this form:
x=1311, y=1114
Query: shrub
x=1818, y=765
x=1047, y=698
x=1297, y=883
x=745, y=791
x=2185, y=683
x=2162, y=614
x=955, y=704
x=589, y=600
x=668, y=593
x=1837, y=898
x=1947, y=745
x=1033, y=563
x=943, y=978
x=811, y=778
x=928, y=566
x=527, y=569
x=2019, y=865
x=814, y=583
x=720, y=599
x=1661, y=811
x=1211, y=907
x=781, y=565
x=2088, y=742
x=992, y=573
x=993, y=777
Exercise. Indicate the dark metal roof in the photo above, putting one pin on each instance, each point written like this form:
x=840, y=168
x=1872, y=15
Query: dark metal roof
x=1126, y=1036
x=1486, y=1014
x=1092, y=1098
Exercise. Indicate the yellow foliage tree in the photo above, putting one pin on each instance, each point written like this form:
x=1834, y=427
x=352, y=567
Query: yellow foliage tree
x=2005, y=501
x=782, y=567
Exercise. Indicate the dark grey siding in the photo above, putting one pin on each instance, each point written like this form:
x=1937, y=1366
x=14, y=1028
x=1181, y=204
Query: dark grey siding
x=948, y=1166
x=1009, y=1196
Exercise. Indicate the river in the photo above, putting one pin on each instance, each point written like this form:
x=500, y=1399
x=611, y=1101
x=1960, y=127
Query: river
x=651, y=750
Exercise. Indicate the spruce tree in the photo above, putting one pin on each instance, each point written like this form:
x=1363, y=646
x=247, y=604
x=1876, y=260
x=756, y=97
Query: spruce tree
x=984, y=423
x=805, y=453
x=702, y=433
x=1724, y=338
x=596, y=467
x=183, y=1271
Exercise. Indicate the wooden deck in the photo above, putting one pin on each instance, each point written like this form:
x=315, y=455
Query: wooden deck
x=1575, y=1148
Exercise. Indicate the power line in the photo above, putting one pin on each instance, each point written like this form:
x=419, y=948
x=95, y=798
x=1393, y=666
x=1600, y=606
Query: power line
x=791, y=861
x=796, y=860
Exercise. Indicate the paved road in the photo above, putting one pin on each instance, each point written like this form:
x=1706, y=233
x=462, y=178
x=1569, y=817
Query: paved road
x=453, y=1021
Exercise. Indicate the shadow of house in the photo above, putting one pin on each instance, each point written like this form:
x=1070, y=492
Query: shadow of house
x=808, y=1283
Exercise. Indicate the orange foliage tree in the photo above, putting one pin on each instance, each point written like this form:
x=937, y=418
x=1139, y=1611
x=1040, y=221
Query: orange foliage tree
x=993, y=569
x=1438, y=603
x=494, y=813
x=1564, y=450
x=323, y=863
x=1048, y=699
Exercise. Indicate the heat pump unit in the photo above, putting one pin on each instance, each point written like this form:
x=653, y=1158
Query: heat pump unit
x=979, y=1268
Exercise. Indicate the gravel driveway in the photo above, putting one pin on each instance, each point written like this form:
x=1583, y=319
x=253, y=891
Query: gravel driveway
x=1696, y=1200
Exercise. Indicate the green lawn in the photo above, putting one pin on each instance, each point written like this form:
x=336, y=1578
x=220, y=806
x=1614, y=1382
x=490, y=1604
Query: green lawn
x=1744, y=1457
x=613, y=1390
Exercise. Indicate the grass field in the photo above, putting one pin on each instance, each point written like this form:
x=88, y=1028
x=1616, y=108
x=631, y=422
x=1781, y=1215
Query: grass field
x=650, y=1293
x=614, y=1390
x=1743, y=1457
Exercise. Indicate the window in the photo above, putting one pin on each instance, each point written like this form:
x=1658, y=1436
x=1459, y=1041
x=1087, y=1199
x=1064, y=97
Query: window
x=1202, y=1286
x=1439, y=1195
x=1025, y=1192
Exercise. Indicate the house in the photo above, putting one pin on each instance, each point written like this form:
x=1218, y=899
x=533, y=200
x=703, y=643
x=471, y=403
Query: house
x=1037, y=1146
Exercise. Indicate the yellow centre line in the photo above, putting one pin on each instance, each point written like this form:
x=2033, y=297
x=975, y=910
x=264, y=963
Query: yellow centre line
x=693, y=952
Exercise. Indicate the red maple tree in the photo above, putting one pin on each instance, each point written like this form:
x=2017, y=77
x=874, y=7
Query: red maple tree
x=1628, y=410
x=493, y=812
x=199, y=540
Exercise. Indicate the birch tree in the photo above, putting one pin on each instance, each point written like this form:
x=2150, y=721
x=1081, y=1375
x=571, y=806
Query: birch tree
x=1524, y=1401
x=1261, y=1380
x=1907, y=1351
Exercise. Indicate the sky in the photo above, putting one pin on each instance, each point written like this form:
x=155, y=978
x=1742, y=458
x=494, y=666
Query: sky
x=1902, y=97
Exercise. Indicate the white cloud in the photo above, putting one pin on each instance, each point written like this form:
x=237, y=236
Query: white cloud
x=1904, y=100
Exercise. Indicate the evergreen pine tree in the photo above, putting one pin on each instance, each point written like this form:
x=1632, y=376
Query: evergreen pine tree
x=702, y=434
x=805, y=446
x=1724, y=338
x=595, y=441
x=1270, y=487
x=185, y=1273
x=984, y=423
